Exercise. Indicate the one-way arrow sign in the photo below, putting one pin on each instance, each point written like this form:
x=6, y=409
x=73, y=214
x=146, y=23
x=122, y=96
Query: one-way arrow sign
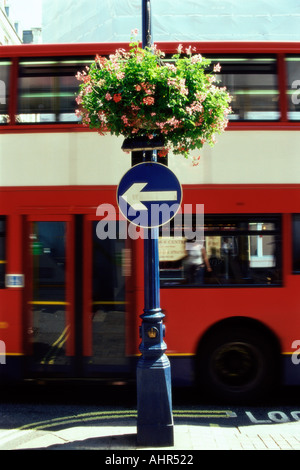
x=152, y=190
x=134, y=196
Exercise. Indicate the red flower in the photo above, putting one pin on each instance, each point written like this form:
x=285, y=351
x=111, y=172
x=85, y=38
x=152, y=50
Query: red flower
x=163, y=153
x=149, y=100
x=117, y=97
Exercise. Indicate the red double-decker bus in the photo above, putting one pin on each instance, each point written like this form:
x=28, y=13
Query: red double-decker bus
x=70, y=301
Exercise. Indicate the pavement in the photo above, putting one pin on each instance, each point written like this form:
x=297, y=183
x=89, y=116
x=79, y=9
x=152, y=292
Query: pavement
x=63, y=417
x=82, y=434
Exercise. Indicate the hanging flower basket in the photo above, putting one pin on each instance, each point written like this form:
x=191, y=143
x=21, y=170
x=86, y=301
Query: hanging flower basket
x=138, y=93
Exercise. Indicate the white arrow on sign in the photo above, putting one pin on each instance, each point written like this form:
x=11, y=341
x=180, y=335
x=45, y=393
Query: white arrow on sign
x=134, y=196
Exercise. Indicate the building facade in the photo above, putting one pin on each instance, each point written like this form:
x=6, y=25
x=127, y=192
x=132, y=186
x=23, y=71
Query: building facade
x=8, y=29
x=74, y=21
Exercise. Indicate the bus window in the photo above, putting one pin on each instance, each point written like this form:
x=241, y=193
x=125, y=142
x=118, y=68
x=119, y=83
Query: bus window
x=2, y=252
x=47, y=89
x=296, y=243
x=252, y=83
x=108, y=301
x=293, y=84
x=236, y=250
x=4, y=91
x=50, y=319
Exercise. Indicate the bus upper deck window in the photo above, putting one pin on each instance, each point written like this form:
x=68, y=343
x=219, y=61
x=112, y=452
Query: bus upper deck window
x=252, y=82
x=293, y=87
x=47, y=90
x=2, y=252
x=4, y=91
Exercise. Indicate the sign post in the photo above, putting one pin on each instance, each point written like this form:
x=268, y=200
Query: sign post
x=145, y=189
x=149, y=195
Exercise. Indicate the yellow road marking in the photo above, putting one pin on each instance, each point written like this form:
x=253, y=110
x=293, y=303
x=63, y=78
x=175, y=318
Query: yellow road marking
x=50, y=356
x=101, y=415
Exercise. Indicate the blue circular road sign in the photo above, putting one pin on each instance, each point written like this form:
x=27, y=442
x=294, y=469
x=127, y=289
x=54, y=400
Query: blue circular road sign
x=149, y=195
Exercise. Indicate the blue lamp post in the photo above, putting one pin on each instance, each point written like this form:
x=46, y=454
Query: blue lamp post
x=145, y=188
x=154, y=398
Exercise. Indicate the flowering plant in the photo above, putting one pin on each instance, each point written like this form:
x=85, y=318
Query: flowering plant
x=137, y=93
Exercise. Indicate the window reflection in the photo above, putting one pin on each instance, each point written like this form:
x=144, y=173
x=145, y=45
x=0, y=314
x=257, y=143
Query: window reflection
x=108, y=301
x=293, y=83
x=47, y=90
x=49, y=307
x=252, y=82
x=48, y=250
x=296, y=243
x=234, y=251
x=4, y=91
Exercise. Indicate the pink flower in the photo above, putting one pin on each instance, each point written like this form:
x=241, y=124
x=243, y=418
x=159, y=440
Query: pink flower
x=138, y=87
x=125, y=120
x=171, y=67
x=108, y=96
x=86, y=119
x=79, y=76
x=88, y=89
x=196, y=58
x=172, y=82
x=148, y=89
x=173, y=122
x=217, y=68
x=149, y=100
x=196, y=160
x=101, y=61
x=135, y=108
x=200, y=97
x=101, y=116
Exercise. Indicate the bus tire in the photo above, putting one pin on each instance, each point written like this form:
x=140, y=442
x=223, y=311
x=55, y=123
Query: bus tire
x=236, y=364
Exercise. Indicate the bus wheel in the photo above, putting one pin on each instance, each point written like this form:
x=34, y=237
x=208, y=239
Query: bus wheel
x=237, y=365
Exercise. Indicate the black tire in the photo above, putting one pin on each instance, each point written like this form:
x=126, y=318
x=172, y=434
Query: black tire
x=237, y=364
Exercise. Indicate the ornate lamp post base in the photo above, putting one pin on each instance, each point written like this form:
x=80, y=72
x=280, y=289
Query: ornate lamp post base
x=155, y=420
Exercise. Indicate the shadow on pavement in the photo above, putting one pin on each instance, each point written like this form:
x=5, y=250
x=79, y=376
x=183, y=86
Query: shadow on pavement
x=119, y=442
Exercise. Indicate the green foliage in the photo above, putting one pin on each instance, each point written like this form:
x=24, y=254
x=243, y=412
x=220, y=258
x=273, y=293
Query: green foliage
x=138, y=93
